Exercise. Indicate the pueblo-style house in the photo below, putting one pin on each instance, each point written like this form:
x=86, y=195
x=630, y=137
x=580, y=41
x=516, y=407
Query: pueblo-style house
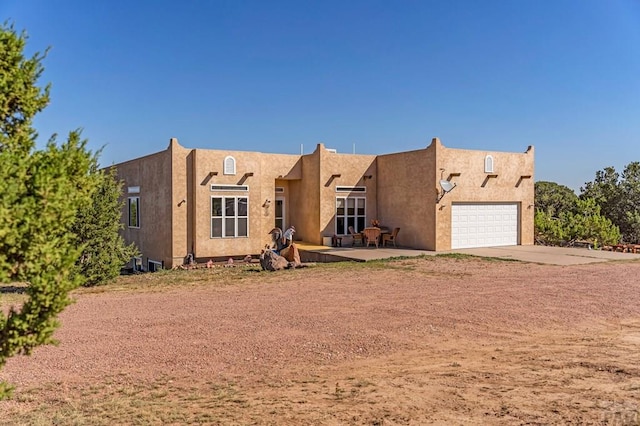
x=215, y=204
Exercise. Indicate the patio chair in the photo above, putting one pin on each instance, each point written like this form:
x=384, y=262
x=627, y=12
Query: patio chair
x=372, y=235
x=386, y=238
x=357, y=236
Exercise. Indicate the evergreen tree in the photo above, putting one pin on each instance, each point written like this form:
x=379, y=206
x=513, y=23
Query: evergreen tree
x=618, y=196
x=585, y=224
x=41, y=192
x=554, y=199
x=96, y=229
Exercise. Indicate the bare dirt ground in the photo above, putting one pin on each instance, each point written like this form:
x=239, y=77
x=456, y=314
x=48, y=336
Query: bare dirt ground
x=420, y=341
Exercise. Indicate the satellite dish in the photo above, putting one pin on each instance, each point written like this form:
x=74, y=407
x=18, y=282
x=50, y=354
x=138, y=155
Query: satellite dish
x=446, y=185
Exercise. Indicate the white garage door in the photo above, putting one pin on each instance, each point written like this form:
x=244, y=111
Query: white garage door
x=484, y=225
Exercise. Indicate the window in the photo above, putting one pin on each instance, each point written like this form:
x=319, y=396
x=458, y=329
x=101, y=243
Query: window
x=137, y=264
x=229, y=217
x=351, y=189
x=350, y=211
x=134, y=212
x=229, y=165
x=243, y=188
x=153, y=266
x=488, y=164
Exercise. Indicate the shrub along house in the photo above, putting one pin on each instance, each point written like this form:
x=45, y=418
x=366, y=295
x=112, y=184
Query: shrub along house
x=212, y=203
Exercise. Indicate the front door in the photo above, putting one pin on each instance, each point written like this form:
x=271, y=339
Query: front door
x=280, y=222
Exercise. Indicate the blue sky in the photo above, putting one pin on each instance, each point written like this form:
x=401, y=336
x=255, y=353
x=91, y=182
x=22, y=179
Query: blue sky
x=387, y=76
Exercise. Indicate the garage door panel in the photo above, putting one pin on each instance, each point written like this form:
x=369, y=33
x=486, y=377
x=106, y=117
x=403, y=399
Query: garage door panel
x=484, y=225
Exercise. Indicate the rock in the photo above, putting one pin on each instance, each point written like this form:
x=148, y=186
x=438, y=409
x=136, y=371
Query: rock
x=270, y=261
x=292, y=254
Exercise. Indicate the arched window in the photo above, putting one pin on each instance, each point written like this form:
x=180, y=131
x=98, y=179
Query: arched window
x=488, y=164
x=229, y=165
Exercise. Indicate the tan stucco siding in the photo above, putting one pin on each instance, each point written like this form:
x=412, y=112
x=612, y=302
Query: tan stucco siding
x=265, y=169
x=406, y=196
x=305, y=199
x=401, y=191
x=275, y=168
x=351, y=169
x=153, y=175
x=180, y=189
x=511, y=181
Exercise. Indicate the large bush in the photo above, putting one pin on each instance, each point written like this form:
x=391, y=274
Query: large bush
x=41, y=192
x=97, y=229
x=586, y=224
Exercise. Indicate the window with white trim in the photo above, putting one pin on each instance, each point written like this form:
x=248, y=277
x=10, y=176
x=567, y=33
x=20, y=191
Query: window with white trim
x=229, y=217
x=134, y=212
x=488, y=164
x=229, y=165
x=350, y=211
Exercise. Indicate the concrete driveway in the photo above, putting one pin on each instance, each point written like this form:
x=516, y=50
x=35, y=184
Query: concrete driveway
x=535, y=254
x=549, y=255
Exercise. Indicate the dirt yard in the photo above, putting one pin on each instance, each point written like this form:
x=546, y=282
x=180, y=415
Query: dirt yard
x=421, y=341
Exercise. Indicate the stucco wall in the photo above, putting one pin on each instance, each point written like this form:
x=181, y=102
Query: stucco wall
x=510, y=184
x=266, y=168
x=401, y=191
x=406, y=196
x=278, y=170
x=180, y=190
x=305, y=199
x=352, y=168
x=153, y=175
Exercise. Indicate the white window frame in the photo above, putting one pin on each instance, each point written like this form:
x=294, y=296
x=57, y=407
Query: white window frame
x=355, y=216
x=229, y=165
x=137, y=225
x=279, y=189
x=488, y=164
x=223, y=217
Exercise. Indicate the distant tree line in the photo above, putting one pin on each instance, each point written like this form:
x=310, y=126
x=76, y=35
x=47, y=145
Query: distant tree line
x=607, y=210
